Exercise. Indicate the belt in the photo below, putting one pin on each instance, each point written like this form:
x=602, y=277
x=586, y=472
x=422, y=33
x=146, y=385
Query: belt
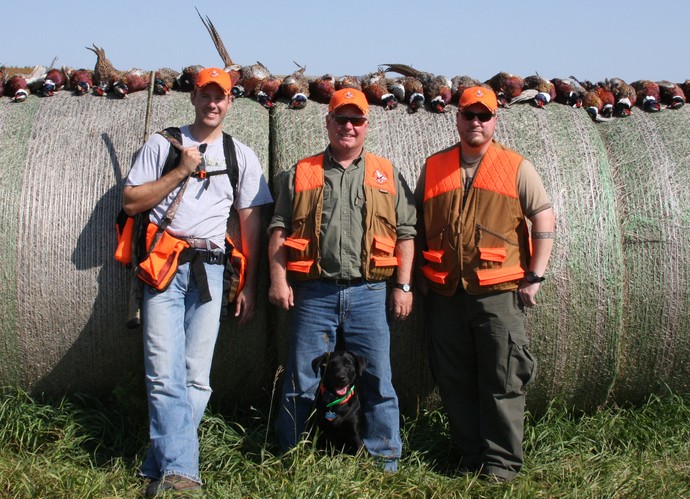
x=346, y=282
x=213, y=257
x=199, y=243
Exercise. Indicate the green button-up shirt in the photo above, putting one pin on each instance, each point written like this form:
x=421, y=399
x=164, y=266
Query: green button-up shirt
x=342, y=222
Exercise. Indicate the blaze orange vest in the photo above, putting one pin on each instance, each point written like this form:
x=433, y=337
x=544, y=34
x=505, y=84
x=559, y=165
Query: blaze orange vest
x=380, y=235
x=484, y=245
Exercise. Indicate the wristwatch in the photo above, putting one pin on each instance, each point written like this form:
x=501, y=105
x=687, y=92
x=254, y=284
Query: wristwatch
x=405, y=287
x=531, y=277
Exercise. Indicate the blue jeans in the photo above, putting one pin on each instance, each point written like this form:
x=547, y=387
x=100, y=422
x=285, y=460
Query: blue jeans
x=321, y=307
x=179, y=337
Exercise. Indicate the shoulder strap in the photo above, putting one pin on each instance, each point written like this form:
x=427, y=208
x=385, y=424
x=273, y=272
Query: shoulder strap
x=231, y=162
x=173, y=154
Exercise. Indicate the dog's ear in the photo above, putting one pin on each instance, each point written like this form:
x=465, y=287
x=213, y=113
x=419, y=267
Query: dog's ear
x=319, y=362
x=361, y=364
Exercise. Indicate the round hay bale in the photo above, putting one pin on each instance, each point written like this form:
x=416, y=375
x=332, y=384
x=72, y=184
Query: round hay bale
x=63, y=296
x=566, y=149
x=650, y=158
x=613, y=318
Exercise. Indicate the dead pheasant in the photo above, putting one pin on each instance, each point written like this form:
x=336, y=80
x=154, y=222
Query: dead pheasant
x=322, y=89
x=569, y=92
x=375, y=88
x=624, y=95
x=295, y=88
x=80, y=80
x=410, y=90
x=648, y=95
x=437, y=88
x=348, y=81
x=165, y=80
x=459, y=84
x=54, y=81
x=537, y=90
x=134, y=80
x=506, y=86
x=671, y=94
x=104, y=73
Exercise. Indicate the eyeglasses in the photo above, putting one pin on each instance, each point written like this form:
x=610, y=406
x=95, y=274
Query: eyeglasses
x=355, y=120
x=483, y=117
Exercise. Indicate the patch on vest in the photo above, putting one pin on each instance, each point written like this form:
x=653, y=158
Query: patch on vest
x=379, y=177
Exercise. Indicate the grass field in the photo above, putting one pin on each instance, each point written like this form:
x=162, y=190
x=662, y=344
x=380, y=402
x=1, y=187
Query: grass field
x=87, y=448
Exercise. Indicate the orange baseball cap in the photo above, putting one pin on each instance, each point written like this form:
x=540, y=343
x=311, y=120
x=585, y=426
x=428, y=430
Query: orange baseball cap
x=346, y=96
x=479, y=95
x=214, y=75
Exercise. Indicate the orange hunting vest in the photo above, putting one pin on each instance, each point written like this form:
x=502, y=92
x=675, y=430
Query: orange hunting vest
x=380, y=235
x=485, y=245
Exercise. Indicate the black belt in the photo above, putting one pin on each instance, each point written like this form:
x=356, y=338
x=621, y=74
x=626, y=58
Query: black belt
x=346, y=282
x=196, y=259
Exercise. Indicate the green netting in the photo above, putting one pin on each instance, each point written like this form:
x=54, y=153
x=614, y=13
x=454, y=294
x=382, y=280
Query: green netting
x=650, y=156
x=613, y=312
x=15, y=125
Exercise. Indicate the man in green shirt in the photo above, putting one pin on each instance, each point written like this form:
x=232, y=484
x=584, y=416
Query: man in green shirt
x=344, y=224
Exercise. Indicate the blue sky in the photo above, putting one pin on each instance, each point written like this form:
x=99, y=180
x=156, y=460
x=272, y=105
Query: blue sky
x=590, y=39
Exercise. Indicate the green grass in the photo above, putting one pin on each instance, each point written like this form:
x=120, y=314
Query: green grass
x=85, y=447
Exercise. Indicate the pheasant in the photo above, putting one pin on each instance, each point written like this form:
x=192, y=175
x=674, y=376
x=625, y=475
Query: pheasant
x=538, y=90
x=672, y=95
x=459, y=84
x=624, y=96
x=607, y=98
x=685, y=86
x=348, y=81
x=80, y=80
x=322, y=89
x=375, y=88
x=568, y=91
x=134, y=80
x=16, y=88
x=506, y=86
x=53, y=82
x=648, y=95
x=410, y=90
x=164, y=80
x=104, y=73
x=187, y=79
x=437, y=88
x=594, y=105
x=268, y=90
x=295, y=88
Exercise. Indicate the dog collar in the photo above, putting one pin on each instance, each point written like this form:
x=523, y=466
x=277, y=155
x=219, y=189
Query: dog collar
x=342, y=399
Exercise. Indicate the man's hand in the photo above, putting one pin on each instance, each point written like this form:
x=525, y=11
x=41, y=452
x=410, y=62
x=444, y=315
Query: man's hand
x=400, y=304
x=280, y=294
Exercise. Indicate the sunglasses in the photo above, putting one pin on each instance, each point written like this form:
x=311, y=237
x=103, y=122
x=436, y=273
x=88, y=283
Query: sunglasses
x=483, y=117
x=355, y=120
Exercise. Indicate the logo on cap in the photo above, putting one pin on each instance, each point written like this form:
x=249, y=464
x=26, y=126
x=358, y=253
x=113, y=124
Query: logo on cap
x=480, y=93
x=349, y=95
x=214, y=73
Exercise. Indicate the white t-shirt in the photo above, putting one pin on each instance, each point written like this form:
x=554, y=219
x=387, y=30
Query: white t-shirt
x=205, y=206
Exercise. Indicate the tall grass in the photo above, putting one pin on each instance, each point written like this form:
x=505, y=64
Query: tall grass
x=85, y=447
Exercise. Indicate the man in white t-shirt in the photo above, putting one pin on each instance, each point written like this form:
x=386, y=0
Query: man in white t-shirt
x=181, y=323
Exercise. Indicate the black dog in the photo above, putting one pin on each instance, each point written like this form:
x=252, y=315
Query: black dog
x=337, y=407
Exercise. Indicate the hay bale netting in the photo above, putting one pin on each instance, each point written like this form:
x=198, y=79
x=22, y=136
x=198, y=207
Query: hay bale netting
x=567, y=151
x=615, y=308
x=650, y=156
x=63, y=303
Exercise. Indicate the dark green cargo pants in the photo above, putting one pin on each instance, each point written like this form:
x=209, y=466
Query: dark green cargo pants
x=481, y=364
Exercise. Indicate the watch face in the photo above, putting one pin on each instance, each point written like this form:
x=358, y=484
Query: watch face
x=406, y=288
